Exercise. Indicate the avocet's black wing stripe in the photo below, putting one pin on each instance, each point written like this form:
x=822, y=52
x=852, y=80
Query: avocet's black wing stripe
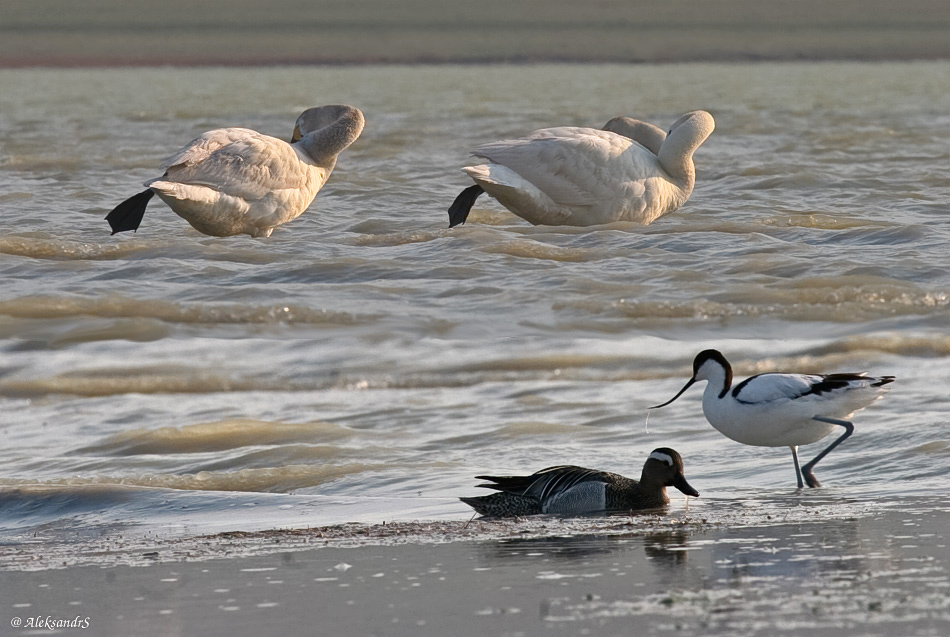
x=831, y=382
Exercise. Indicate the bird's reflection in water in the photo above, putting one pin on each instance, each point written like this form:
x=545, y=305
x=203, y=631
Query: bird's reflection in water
x=588, y=568
x=667, y=548
x=565, y=549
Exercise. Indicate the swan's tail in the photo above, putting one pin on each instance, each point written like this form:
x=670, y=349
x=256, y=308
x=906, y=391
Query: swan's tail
x=128, y=214
x=458, y=211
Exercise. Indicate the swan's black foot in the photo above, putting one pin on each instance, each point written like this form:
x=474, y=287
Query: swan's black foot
x=128, y=214
x=458, y=211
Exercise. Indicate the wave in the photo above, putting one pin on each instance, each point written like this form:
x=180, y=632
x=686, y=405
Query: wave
x=822, y=356
x=261, y=479
x=833, y=299
x=118, y=306
x=380, y=236
x=216, y=436
x=505, y=434
x=65, y=250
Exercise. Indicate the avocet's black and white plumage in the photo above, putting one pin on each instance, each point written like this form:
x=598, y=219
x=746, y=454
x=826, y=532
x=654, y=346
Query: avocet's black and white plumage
x=570, y=490
x=782, y=410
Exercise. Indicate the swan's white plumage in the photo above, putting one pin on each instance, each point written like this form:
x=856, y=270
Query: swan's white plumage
x=584, y=176
x=240, y=161
x=233, y=181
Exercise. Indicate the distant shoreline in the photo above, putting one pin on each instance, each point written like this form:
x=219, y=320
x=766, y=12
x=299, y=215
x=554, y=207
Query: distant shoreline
x=111, y=33
x=199, y=62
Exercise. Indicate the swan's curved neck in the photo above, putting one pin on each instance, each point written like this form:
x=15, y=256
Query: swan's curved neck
x=676, y=157
x=676, y=153
x=325, y=143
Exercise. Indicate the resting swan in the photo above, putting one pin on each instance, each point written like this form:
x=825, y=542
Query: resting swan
x=583, y=176
x=234, y=181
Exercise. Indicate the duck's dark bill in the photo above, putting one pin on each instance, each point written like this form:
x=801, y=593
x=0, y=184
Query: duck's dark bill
x=680, y=483
x=685, y=387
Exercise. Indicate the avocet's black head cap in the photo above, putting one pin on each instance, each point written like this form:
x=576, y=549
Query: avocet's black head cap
x=709, y=355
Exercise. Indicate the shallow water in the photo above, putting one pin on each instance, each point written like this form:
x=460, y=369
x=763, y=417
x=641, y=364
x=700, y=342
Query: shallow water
x=365, y=352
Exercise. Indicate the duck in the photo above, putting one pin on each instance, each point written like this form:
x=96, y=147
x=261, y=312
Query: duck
x=578, y=176
x=571, y=490
x=781, y=409
x=232, y=181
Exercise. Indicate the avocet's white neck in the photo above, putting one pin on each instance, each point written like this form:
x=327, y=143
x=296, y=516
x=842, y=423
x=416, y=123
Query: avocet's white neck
x=719, y=380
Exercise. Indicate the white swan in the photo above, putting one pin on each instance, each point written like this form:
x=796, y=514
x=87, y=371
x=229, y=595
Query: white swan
x=234, y=181
x=583, y=176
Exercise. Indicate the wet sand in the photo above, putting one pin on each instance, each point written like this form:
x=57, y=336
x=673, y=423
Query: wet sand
x=824, y=568
x=238, y=32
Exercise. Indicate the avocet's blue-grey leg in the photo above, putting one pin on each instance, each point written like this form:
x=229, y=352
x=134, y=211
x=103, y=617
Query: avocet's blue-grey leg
x=807, y=469
x=798, y=469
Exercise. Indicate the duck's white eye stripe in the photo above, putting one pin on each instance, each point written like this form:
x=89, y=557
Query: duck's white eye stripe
x=662, y=457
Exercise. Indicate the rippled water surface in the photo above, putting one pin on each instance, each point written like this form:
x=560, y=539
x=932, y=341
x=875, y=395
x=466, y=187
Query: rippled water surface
x=365, y=351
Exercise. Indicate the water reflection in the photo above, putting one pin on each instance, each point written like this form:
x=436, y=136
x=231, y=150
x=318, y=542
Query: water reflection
x=728, y=578
x=551, y=549
x=668, y=550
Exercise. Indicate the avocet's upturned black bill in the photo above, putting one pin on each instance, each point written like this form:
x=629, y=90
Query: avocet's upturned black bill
x=782, y=410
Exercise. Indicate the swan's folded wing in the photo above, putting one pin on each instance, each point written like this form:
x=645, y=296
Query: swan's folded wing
x=249, y=165
x=572, y=166
x=201, y=147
